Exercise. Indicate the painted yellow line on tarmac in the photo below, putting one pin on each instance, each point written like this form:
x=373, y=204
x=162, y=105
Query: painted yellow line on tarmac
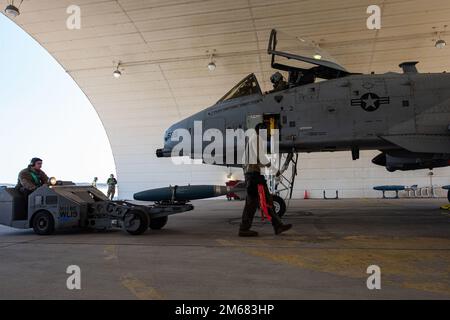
x=110, y=252
x=140, y=289
x=137, y=287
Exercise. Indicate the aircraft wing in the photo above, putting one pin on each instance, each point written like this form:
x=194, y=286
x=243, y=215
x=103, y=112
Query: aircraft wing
x=421, y=143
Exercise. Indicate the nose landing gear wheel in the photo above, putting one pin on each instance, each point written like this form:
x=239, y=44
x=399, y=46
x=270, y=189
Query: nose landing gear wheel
x=279, y=205
x=135, y=222
x=43, y=223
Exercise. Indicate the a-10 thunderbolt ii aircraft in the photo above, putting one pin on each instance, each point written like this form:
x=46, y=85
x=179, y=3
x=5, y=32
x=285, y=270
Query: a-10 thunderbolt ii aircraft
x=406, y=116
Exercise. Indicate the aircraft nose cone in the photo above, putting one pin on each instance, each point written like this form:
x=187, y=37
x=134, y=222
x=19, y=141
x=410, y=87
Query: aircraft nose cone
x=159, y=153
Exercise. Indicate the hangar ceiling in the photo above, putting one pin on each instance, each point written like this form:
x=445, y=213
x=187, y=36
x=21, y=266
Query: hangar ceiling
x=163, y=44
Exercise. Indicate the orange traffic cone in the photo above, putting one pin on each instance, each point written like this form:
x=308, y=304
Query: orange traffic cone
x=306, y=195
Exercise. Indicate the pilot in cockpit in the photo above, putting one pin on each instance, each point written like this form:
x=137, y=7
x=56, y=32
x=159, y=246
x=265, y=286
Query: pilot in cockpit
x=278, y=82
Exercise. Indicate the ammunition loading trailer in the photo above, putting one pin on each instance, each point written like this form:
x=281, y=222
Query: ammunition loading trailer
x=68, y=206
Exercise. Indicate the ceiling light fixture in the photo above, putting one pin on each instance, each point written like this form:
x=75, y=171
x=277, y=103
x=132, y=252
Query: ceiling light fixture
x=438, y=42
x=211, y=64
x=317, y=50
x=12, y=10
x=230, y=174
x=117, y=74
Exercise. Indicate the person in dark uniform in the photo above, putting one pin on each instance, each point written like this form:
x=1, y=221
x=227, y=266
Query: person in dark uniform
x=253, y=178
x=112, y=182
x=31, y=177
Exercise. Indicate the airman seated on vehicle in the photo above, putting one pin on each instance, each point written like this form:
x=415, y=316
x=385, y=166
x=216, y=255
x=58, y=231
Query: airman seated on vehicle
x=31, y=177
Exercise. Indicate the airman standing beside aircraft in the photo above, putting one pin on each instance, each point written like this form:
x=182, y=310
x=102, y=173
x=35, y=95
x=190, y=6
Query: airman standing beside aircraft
x=254, y=180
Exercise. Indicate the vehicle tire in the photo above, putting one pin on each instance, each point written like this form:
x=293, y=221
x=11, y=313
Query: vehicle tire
x=135, y=222
x=43, y=223
x=279, y=205
x=158, y=223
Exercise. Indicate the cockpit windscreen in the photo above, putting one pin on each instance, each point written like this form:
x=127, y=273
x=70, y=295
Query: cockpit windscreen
x=246, y=87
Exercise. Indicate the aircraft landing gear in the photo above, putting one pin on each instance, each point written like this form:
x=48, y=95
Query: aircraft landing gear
x=283, y=182
x=279, y=205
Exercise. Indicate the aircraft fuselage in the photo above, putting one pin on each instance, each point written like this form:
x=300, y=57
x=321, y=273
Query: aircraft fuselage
x=409, y=112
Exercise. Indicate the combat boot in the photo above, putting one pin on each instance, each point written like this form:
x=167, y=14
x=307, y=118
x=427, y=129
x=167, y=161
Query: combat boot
x=282, y=228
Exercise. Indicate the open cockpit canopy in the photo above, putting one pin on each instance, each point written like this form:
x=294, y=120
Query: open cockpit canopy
x=299, y=55
x=303, y=59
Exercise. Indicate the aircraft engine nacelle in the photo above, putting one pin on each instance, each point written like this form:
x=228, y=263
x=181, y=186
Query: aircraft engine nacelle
x=405, y=160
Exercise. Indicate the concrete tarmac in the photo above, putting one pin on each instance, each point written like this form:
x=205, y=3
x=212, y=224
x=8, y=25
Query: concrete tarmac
x=199, y=256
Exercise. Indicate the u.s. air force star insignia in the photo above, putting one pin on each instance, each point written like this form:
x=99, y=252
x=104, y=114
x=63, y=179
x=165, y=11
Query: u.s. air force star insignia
x=370, y=101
